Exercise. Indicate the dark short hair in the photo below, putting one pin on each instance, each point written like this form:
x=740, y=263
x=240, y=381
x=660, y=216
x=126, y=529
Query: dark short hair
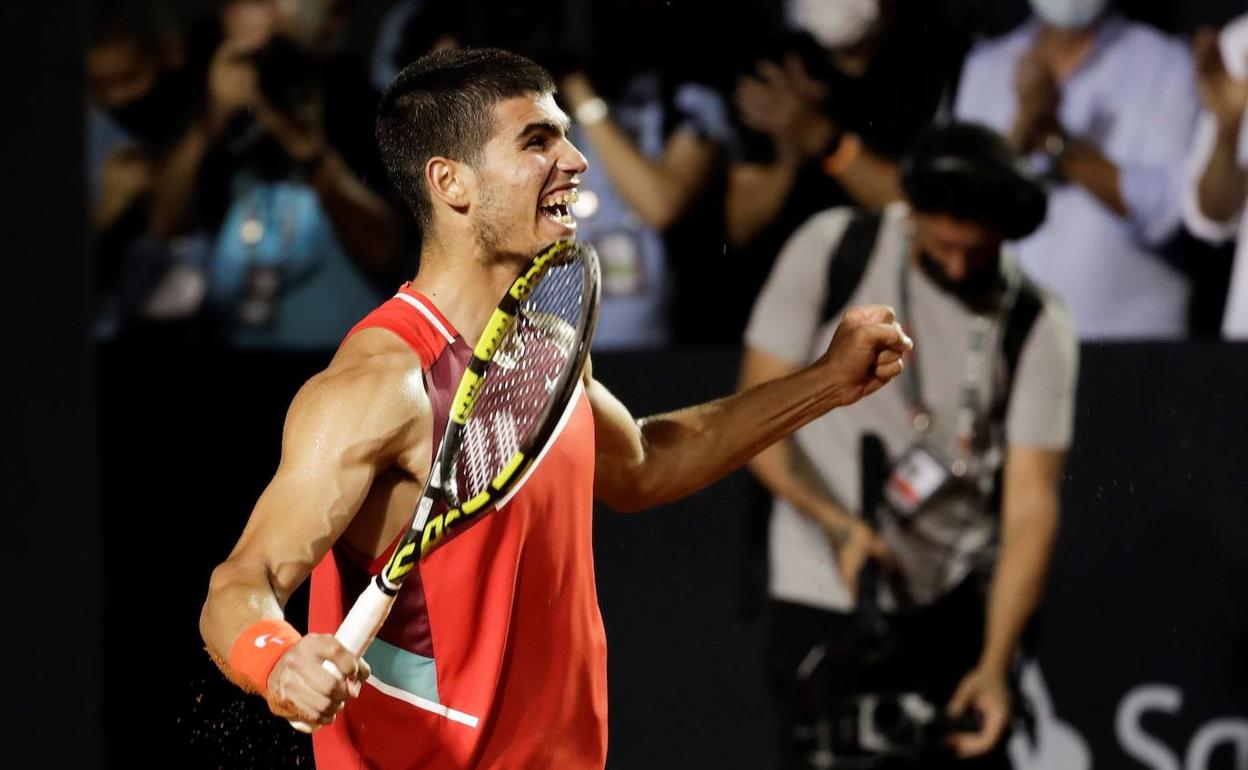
x=442, y=104
x=969, y=171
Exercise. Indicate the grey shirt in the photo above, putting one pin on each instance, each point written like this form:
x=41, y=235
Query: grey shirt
x=944, y=542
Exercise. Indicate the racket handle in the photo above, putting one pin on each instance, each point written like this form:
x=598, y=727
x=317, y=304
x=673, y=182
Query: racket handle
x=357, y=631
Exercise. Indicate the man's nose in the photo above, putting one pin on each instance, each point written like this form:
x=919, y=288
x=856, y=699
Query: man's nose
x=573, y=161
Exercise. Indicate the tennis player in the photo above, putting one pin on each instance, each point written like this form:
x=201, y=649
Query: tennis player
x=494, y=655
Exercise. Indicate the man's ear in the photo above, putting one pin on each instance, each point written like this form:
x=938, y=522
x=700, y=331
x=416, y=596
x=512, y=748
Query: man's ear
x=448, y=181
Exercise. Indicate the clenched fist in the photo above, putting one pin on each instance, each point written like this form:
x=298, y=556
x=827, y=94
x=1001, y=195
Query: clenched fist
x=865, y=353
x=302, y=687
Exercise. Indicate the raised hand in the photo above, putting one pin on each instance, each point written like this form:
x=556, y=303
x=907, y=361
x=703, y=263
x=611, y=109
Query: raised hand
x=865, y=353
x=784, y=103
x=1222, y=95
x=1038, y=96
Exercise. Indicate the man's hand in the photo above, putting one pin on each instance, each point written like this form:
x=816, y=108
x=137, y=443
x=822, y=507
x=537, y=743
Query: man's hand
x=1035, y=88
x=865, y=352
x=301, y=134
x=301, y=689
x=784, y=103
x=1223, y=96
x=987, y=692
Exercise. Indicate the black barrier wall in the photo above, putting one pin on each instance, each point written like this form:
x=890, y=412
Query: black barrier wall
x=48, y=506
x=1141, y=649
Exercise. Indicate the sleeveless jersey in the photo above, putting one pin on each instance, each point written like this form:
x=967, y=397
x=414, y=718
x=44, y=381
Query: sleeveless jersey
x=494, y=655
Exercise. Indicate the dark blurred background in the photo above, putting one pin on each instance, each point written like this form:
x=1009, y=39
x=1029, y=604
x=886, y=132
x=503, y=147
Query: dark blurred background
x=151, y=357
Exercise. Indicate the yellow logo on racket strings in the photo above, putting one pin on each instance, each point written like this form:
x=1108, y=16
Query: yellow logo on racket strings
x=439, y=526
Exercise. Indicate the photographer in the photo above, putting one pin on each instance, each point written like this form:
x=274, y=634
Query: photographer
x=976, y=438
x=277, y=170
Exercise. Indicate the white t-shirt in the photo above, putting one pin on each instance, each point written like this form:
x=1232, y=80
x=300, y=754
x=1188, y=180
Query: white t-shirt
x=944, y=542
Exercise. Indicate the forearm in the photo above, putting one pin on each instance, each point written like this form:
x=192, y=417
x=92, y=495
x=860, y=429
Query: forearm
x=641, y=181
x=684, y=451
x=239, y=595
x=1019, y=580
x=1223, y=184
x=1085, y=165
x=368, y=227
x=756, y=196
x=870, y=179
x=176, y=183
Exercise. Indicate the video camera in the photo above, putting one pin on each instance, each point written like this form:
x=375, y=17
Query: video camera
x=866, y=712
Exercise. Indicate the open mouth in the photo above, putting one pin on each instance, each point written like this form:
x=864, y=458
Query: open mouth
x=557, y=207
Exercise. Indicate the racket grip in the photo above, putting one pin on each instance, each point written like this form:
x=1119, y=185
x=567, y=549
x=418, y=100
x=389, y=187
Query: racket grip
x=357, y=631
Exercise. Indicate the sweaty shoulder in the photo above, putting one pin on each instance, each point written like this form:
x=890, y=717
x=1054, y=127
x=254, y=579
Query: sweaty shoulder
x=372, y=396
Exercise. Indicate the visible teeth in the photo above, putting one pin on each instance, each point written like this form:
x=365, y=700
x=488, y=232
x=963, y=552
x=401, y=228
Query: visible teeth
x=564, y=198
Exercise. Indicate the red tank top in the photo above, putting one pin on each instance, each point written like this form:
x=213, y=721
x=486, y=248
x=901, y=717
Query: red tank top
x=494, y=655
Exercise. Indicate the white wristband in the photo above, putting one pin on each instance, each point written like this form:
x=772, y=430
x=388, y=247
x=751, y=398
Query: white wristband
x=591, y=112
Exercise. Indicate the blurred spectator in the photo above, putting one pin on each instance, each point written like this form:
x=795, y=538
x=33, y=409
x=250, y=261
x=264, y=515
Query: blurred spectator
x=976, y=428
x=1106, y=106
x=139, y=104
x=652, y=154
x=833, y=107
x=1217, y=190
x=280, y=172
x=410, y=29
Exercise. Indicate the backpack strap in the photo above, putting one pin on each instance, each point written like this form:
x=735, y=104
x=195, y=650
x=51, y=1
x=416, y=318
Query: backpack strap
x=849, y=261
x=1028, y=305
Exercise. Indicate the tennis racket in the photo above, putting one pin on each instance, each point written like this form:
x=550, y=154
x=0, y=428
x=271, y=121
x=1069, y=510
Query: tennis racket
x=524, y=371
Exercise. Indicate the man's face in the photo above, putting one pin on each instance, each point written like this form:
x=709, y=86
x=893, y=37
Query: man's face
x=526, y=180
x=959, y=254
x=120, y=73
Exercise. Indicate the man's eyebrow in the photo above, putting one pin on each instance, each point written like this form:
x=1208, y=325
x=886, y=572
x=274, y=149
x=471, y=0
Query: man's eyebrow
x=546, y=126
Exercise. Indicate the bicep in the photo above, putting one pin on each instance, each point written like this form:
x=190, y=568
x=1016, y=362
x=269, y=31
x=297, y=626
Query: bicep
x=619, y=448
x=334, y=444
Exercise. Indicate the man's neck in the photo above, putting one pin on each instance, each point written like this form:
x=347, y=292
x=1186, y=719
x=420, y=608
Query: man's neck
x=464, y=282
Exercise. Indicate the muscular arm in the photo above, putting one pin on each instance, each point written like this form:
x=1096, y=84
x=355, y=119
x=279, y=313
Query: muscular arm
x=658, y=459
x=345, y=426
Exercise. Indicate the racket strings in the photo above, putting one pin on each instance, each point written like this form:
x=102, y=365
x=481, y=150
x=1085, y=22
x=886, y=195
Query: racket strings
x=522, y=379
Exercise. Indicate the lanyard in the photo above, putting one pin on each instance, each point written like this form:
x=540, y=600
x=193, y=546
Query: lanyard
x=978, y=345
